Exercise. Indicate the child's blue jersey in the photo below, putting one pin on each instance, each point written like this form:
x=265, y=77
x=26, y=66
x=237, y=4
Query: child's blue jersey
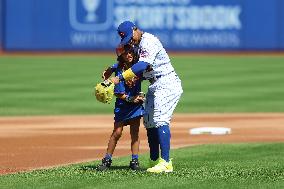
x=123, y=110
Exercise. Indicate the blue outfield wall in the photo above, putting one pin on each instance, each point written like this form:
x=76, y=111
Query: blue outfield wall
x=281, y=25
x=1, y=24
x=180, y=24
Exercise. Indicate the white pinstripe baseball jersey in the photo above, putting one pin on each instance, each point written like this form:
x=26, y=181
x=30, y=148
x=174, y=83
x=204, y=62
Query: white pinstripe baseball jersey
x=152, y=51
x=163, y=94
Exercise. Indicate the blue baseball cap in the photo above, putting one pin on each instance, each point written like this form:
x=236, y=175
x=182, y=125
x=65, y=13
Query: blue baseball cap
x=125, y=30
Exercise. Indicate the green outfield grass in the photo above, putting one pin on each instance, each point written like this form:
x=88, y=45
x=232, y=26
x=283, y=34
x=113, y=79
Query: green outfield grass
x=251, y=166
x=54, y=85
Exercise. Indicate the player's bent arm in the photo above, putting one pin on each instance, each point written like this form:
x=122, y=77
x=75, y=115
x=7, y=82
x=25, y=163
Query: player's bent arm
x=135, y=70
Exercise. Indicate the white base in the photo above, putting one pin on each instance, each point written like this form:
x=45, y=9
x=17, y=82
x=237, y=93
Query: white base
x=210, y=130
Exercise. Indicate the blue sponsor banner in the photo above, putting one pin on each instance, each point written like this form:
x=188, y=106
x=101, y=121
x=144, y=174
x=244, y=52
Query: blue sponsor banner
x=1, y=24
x=261, y=22
x=59, y=25
x=180, y=24
x=281, y=24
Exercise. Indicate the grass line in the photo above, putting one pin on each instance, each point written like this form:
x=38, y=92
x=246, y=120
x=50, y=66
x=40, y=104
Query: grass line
x=253, y=166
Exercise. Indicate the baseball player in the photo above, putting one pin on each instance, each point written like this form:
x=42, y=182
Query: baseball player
x=163, y=93
x=128, y=108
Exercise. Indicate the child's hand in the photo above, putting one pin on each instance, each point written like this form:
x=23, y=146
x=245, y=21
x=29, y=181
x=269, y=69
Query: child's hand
x=138, y=99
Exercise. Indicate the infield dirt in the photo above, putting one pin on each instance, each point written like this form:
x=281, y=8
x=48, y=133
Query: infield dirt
x=28, y=143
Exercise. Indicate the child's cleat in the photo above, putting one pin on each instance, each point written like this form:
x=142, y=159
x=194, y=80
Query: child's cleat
x=106, y=163
x=134, y=164
x=162, y=166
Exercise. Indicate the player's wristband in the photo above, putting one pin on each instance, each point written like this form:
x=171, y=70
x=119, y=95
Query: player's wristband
x=128, y=74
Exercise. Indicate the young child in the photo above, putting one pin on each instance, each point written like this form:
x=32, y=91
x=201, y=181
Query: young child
x=128, y=107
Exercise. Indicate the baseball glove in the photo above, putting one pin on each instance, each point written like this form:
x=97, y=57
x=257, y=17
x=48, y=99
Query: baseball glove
x=104, y=91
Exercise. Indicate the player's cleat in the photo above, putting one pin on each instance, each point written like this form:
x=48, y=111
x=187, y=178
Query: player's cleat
x=152, y=163
x=162, y=166
x=134, y=164
x=106, y=163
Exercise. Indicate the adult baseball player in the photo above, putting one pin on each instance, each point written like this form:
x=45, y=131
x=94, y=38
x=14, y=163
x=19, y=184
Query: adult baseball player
x=163, y=93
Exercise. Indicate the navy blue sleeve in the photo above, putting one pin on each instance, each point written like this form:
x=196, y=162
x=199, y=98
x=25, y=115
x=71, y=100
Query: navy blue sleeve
x=120, y=87
x=114, y=67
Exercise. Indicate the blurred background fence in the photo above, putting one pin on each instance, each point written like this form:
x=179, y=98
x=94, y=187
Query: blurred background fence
x=59, y=25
